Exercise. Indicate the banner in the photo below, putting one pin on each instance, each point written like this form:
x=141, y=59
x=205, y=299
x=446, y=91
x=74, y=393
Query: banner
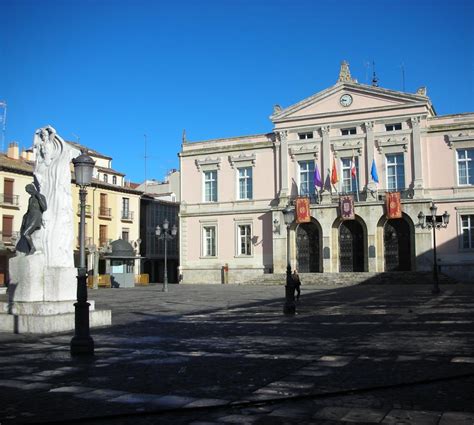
x=346, y=204
x=303, y=214
x=393, y=205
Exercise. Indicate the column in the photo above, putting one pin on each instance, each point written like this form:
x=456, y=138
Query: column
x=326, y=165
x=417, y=159
x=371, y=187
x=284, y=192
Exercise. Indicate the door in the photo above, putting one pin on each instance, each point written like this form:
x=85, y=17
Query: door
x=397, y=249
x=307, y=246
x=7, y=228
x=351, y=247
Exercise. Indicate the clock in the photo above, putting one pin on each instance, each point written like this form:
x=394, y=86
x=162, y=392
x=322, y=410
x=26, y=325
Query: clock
x=346, y=100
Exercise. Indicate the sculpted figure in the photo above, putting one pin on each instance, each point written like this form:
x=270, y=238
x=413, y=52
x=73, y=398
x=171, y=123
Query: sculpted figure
x=32, y=219
x=52, y=174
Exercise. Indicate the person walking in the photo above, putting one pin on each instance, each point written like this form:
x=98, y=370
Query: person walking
x=297, y=282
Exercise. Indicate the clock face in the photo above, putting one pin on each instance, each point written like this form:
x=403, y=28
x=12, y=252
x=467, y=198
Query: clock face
x=345, y=100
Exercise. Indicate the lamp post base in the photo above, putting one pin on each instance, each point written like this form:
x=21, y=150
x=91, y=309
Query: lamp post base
x=82, y=343
x=82, y=346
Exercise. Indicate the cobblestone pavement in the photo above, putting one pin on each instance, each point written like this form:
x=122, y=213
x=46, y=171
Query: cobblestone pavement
x=225, y=354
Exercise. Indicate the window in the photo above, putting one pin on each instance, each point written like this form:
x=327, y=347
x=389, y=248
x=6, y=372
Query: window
x=306, y=177
x=467, y=229
x=125, y=208
x=244, y=240
x=465, y=166
x=395, y=172
x=209, y=241
x=348, y=131
x=349, y=182
x=102, y=235
x=393, y=127
x=8, y=197
x=125, y=234
x=307, y=135
x=106, y=178
x=245, y=183
x=210, y=186
x=114, y=179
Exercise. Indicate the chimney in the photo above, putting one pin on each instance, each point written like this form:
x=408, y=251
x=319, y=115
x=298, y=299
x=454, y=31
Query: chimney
x=13, y=151
x=24, y=154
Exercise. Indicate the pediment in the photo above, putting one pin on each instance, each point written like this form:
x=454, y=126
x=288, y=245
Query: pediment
x=364, y=97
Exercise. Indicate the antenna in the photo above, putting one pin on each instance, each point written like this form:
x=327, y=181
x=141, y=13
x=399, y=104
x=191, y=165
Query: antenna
x=145, y=158
x=375, y=80
x=3, y=121
x=403, y=76
x=367, y=66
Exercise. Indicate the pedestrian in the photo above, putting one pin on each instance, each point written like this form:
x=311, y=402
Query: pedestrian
x=297, y=282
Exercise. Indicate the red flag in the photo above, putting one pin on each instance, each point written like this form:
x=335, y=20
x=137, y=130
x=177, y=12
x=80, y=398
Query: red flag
x=393, y=205
x=334, y=177
x=353, y=167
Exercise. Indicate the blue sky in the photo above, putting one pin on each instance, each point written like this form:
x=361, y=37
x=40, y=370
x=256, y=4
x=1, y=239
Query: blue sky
x=111, y=71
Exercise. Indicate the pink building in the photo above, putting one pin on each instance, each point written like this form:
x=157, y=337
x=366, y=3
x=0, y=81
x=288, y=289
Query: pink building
x=234, y=190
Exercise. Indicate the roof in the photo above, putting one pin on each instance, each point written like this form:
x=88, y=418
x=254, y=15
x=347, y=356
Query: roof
x=88, y=150
x=19, y=165
x=110, y=170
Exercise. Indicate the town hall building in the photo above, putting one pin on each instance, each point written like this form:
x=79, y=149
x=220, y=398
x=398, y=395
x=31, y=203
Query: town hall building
x=363, y=163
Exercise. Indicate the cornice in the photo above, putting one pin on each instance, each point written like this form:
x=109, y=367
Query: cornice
x=208, y=161
x=306, y=149
x=242, y=158
x=226, y=149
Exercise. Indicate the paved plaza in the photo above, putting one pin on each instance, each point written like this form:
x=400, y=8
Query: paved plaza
x=225, y=354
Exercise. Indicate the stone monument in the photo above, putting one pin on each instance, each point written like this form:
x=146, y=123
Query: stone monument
x=43, y=283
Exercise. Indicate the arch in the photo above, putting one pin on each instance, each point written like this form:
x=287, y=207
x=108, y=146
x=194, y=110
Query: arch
x=308, y=238
x=396, y=238
x=350, y=244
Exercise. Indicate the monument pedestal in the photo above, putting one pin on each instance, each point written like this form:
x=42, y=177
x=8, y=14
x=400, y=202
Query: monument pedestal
x=41, y=299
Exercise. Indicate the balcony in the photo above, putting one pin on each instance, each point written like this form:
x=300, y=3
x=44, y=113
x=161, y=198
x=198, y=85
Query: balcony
x=105, y=213
x=88, y=210
x=87, y=240
x=104, y=241
x=9, y=239
x=8, y=200
x=127, y=215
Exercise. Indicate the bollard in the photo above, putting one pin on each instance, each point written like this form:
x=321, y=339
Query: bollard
x=290, y=305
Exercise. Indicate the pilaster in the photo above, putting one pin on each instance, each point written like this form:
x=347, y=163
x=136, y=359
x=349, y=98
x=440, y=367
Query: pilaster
x=283, y=136
x=369, y=154
x=326, y=165
x=417, y=159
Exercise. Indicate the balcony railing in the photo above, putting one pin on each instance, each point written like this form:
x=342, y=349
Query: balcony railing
x=104, y=241
x=127, y=215
x=105, y=212
x=88, y=210
x=9, y=238
x=364, y=195
x=7, y=199
x=87, y=240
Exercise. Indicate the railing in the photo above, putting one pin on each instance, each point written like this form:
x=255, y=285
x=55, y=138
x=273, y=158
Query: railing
x=364, y=195
x=104, y=242
x=87, y=240
x=127, y=215
x=88, y=209
x=9, y=238
x=7, y=199
x=105, y=212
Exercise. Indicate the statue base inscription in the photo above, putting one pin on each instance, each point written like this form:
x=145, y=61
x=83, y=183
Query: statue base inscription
x=41, y=299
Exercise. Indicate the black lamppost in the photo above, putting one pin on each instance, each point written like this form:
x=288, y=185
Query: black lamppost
x=290, y=306
x=82, y=343
x=434, y=222
x=166, y=236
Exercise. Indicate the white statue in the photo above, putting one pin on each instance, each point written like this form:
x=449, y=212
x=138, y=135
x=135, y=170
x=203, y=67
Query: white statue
x=52, y=174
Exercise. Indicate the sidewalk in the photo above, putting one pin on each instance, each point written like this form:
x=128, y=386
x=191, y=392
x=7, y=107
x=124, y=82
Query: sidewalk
x=226, y=354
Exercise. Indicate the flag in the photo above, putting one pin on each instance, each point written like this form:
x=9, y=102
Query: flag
x=346, y=206
x=317, y=177
x=373, y=172
x=334, y=177
x=393, y=205
x=303, y=214
x=353, y=168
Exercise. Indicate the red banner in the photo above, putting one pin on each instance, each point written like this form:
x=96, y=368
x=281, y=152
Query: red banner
x=393, y=205
x=303, y=214
x=346, y=203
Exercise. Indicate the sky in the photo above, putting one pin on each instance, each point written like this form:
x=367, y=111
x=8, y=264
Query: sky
x=125, y=77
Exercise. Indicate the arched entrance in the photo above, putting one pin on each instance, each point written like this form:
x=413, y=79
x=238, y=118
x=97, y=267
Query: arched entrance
x=308, y=248
x=396, y=241
x=351, y=246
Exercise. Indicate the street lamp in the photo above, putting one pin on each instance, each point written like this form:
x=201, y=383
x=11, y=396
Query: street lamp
x=166, y=235
x=434, y=222
x=290, y=307
x=82, y=343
